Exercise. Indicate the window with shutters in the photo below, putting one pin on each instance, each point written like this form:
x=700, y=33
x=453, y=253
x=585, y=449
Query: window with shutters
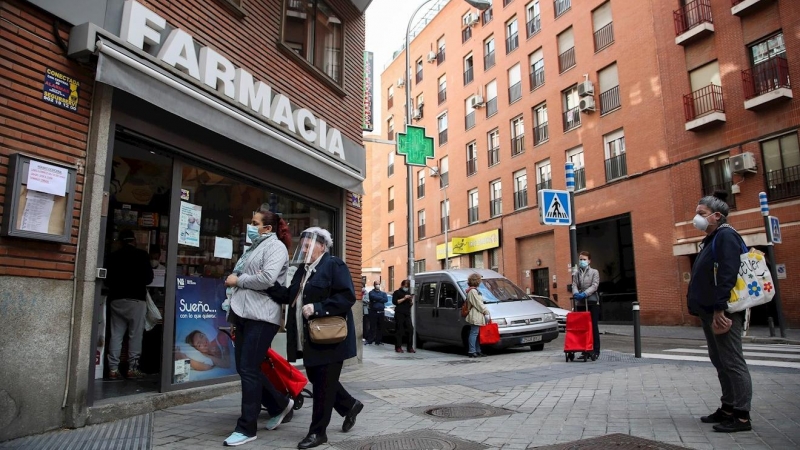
x=609, y=89
x=603, y=26
x=566, y=50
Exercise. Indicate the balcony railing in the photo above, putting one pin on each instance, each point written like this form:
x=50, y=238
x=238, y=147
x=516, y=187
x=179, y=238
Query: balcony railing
x=703, y=101
x=725, y=186
x=783, y=183
x=390, y=170
x=494, y=156
x=419, y=76
x=420, y=190
x=691, y=15
x=445, y=223
x=466, y=34
x=468, y=76
x=534, y=25
x=496, y=207
x=390, y=102
x=562, y=6
x=616, y=167
x=515, y=92
x=472, y=166
x=537, y=77
x=566, y=60
x=469, y=120
x=580, y=179
x=572, y=119
x=443, y=137
x=491, y=107
x=546, y=184
x=766, y=76
x=520, y=199
x=444, y=180
x=472, y=214
x=604, y=37
x=391, y=205
x=488, y=60
x=512, y=42
x=540, y=133
x=390, y=135
x=609, y=100
x=442, y=96
x=421, y=231
x=440, y=56
x=391, y=241
x=517, y=145
x=487, y=16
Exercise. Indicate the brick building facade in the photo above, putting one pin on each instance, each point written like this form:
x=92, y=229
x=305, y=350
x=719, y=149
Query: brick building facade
x=676, y=93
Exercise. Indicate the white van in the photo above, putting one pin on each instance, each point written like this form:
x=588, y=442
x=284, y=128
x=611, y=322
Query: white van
x=439, y=295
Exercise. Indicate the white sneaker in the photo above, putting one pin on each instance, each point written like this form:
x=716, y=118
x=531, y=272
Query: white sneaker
x=237, y=438
x=273, y=422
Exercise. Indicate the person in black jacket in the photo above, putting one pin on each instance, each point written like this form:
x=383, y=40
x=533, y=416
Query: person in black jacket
x=713, y=276
x=129, y=273
x=403, y=299
x=322, y=286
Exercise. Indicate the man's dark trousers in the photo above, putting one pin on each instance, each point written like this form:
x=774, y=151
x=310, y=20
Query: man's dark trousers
x=404, y=328
x=375, y=330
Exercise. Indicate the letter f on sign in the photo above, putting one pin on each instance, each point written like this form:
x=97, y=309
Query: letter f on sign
x=140, y=25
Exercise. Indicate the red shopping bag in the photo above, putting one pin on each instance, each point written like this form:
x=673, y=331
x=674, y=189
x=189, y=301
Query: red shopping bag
x=489, y=334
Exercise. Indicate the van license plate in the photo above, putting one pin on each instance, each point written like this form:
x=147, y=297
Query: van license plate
x=529, y=339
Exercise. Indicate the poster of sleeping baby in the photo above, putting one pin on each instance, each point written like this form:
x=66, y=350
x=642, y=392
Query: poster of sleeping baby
x=202, y=351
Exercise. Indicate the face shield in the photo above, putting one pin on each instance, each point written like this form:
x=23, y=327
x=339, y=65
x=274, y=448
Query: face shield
x=314, y=242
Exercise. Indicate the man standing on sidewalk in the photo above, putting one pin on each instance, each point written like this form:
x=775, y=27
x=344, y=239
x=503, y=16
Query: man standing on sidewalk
x=377, y=305
x=403, y=299
x=129, y=273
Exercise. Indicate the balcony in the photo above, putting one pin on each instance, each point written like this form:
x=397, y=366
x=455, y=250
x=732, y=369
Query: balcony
x=496, y=207
x=494, y=156
x=445, y=223
x=766, y=83
x=468, y=76
x=440, y=56
x=491, y=107
x=562, y=6
x=442, y=95
x=783, y=183
x=604, y=37
x=537, y=78
x=487, y=16
x=419, y=76
x=540, y=134
x=566, y=60
x=469, y=120
x=512, y=42
x=616, y=167
x=704, y=108
x=472, y=214
x=421, y=231
x=517, y=145
x=391, y=241
x=546, y=184
x=609, y=100
x=725, y=186
x=515, y=92
x=488, y=61
x=572, y=119
x=390, y=170
x=466, y=34
x=534, y=25
x=390, y=102
x=390, y=135
x=580, y=179
x=693, y=22
x=442, y=137
x=520, y=199
x=744, y=7
x=391, y=205
x=472, y=166
x=421, y=190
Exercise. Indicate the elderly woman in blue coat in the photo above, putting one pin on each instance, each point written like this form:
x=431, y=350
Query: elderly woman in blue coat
x=321, y=287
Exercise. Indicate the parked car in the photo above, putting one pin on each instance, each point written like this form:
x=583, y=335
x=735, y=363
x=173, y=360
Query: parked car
x=561, y=314
x=522, y=321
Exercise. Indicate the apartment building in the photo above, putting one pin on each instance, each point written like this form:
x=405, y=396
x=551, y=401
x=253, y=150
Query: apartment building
x=656, y=104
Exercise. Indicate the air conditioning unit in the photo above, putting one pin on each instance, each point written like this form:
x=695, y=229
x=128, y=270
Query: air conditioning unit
x=431, y=57
x=586, y=89
x=586, y=104
x=401, y=82
x=416, y=114
x=744, y=162
x=476, y=101
x=470, y=19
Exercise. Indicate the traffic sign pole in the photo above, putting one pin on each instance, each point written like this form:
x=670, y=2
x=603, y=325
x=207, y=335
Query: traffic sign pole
x=762, y=198
x=573, y=230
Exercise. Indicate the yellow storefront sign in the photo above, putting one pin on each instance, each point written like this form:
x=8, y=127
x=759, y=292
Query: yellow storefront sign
x=471, y=244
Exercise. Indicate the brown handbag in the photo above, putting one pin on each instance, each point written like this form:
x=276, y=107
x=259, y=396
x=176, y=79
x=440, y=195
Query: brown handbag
x=327, y=330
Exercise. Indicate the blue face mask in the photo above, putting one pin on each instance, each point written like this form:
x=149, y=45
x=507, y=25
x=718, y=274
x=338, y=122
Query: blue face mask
x=252, y=232
x=584, y=264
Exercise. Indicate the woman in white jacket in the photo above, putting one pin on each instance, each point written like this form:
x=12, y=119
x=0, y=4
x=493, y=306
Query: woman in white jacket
x=257, y=319
x=477, y=316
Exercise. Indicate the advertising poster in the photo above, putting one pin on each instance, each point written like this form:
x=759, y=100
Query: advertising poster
x=189, y=225
x=60, y=90
x=368, y=115
x=201, y=351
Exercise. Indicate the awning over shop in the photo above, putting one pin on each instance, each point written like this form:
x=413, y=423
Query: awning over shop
x=119, y=68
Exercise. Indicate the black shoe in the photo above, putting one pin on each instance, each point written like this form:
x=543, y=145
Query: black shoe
x=350, y=418
x=732, y=426
x=480, y=355
x=313, y=440
x=473, y=355
x=718, y=416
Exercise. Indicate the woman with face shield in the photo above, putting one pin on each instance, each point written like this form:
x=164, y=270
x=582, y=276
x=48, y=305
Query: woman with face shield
x=321, y=287
x=714, y=274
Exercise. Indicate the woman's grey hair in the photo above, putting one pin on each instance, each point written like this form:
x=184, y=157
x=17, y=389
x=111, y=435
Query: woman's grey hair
x=323, y=236
x=716, y=203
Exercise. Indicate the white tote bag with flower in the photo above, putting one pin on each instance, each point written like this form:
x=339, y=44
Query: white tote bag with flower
x=753, y=284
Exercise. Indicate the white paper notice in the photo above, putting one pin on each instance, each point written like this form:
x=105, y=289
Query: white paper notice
x=159, y=278
x=38, y=207
x=47, y=178
x=223, y=248
x=189, y=224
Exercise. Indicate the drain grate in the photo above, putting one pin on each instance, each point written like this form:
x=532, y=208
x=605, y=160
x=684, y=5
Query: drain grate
x=462, y=411
x=411, y=440
x=612, y=441
x=135, y=433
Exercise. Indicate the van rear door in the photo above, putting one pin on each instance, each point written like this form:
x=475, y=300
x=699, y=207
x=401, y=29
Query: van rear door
x=448, y=314
x=426, y=309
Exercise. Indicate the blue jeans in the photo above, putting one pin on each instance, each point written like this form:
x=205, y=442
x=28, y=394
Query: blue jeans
x=474, y=344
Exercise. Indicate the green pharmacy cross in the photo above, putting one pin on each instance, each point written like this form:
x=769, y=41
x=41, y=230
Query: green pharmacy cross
x=415, y=145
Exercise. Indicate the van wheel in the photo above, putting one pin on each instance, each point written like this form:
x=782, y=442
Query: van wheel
x=537, y=347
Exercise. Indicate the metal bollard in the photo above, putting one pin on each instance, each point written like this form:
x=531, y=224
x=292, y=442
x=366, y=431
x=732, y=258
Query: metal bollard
x=637, y=334
x=771, y=324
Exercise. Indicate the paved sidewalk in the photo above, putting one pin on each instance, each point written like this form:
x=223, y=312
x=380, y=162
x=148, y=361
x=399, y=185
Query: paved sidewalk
x=755, y=334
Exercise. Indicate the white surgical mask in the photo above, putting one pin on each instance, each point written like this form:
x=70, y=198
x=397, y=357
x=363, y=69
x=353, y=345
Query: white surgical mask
x=700, y=222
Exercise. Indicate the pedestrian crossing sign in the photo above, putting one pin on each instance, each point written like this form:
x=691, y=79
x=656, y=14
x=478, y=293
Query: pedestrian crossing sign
x=554, y=207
